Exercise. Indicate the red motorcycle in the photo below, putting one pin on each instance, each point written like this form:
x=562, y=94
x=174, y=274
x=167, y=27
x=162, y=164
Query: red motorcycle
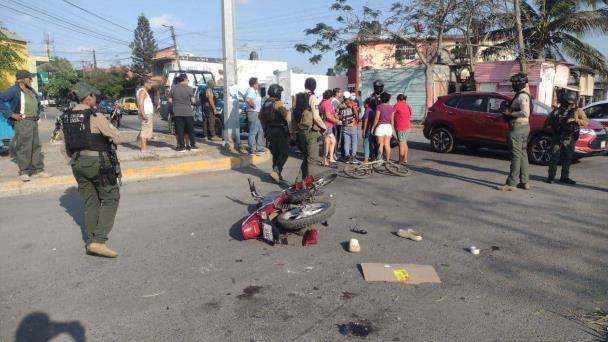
x=290, y=210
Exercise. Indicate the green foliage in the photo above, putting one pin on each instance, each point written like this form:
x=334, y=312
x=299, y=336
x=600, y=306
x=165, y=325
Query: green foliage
x=111, y=82
x=61, y=77
x=143, y=46
x=9, y=58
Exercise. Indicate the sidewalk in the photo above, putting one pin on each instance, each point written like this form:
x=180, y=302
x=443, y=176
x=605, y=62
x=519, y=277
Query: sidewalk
x=163, y=161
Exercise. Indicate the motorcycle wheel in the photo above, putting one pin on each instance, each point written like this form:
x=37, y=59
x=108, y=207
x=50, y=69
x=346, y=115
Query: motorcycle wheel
x=357, y=171
x=306, y=215
x=397, y=169
x=324, y=178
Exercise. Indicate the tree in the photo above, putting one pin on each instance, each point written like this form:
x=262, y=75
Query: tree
x=551, y=29
x=419, y=23
x=112, y=82
x=9, y=58
x=143, y=46
x=61, y=77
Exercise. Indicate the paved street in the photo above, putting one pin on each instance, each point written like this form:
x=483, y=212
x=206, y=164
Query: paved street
x=182, y=269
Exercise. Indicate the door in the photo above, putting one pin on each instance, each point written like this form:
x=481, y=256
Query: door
x=495, y=129
x=598, y=113
x=470, y=112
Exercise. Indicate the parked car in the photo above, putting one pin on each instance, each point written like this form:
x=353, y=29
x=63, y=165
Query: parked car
x=598, y=111
x=106, y=106
x=474, y=119
x=128, y=105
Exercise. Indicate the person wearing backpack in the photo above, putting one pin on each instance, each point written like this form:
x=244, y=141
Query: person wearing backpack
x=518, y=115
x=309, y=127
x=276, y=122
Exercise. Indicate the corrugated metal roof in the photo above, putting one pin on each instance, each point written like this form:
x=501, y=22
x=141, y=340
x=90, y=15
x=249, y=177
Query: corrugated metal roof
x=503, y=70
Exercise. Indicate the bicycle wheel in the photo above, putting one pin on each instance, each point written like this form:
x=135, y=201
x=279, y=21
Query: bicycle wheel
x=397, y=169
x=357, y=171
x=378, y=167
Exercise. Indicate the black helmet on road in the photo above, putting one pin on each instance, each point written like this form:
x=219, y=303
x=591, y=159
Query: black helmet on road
x=275, y=90
x=378, y=86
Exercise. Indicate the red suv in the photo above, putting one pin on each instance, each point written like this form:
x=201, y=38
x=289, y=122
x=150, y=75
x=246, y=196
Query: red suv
x=473, y=119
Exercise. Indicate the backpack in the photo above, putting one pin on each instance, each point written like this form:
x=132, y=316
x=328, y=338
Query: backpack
x=302, y=113
x=530, y=96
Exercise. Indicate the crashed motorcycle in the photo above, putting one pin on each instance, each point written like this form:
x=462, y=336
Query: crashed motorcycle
x=288, y=211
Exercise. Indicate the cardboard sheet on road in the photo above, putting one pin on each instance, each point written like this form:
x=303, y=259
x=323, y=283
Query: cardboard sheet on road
x=400, y=273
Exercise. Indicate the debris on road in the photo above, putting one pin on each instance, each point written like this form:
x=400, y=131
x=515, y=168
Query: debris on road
x=474, y=250
x=310, y=237
x=354, y=246
x=359, y=328
x=347, y=295
x=409, y=234
x=153, y=294
x=400, y=273
x=249, y=292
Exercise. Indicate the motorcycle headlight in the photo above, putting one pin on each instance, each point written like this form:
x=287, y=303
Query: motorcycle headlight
x=588, y=131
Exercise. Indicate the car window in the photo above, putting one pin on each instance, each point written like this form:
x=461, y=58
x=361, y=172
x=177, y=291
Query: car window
x=453, y=102
x=597, y=112
x=472, y=103
x=541, y=108
x=495, y=104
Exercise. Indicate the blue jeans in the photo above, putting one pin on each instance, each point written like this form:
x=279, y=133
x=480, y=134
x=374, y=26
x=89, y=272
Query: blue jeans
x=255, y=138
x=369, y=146
x=350, y=136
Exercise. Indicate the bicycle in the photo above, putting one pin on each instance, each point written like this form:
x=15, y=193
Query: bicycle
x=367, y=169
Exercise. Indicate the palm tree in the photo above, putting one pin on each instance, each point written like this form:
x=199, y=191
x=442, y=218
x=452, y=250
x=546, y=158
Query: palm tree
x=552, y=29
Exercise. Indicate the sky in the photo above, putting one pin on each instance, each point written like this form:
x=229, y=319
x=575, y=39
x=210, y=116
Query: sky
x=269, y=27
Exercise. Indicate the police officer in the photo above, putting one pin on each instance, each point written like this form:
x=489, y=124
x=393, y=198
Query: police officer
x=374, y=101
x=518, y=118
x=88, y=141
x=276, y=122
x=309, y=128
x=565, y=122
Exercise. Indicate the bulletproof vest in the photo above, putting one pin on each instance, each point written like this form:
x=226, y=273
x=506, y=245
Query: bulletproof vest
x=523, y=92
x=271, y=116
x=77, y=132
x=346, y=115
x=560, y=122
x=301, y=103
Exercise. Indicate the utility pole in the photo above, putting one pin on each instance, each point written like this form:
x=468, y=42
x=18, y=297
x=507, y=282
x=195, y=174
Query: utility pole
x=523, y=67
x=231, y=128
x=179, y=67
x=47, y=44
x=94, y=61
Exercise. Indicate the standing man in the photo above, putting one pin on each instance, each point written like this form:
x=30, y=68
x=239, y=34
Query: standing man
x=25, y=113
x=276, y=121
x=208, y=103
x=89, y=139
x=566, y=122
x=146, y=112
x=336, y=100
x=348, y=111
x=254, y=102
x=518, y=115
x=182, y=99
x=309, y=128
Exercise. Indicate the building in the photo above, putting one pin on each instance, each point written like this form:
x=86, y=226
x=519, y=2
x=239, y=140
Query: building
x=29, y=63
x=265, y=71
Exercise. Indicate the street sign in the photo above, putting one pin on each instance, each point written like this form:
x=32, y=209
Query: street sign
x=43, y=77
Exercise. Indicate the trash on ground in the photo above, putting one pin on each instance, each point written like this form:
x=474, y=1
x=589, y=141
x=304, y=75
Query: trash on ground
x=474, y=250
x=153, y=294
x=409, y=234
x=347, y=295
x=325, y=223
x=374, y=203
x=310, y=237
x=354, y=246
x=358, y=231
x=359, y=328
x=249, y=292
x=400, y=273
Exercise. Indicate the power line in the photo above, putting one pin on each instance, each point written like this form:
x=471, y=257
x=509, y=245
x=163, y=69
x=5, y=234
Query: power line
x=97, y=16
x=103, y=36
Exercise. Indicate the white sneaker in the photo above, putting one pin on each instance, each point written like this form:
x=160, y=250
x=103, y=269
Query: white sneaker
x=24, y=177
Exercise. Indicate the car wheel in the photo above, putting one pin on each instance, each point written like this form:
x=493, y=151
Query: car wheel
x=539, y=150
x=442, y=140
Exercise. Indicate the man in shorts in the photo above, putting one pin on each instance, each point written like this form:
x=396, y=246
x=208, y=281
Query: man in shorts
x=146, y=112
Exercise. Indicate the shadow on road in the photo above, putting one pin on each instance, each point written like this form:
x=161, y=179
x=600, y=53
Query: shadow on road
x=435, y=172
x=38, y=327
x=71, y=202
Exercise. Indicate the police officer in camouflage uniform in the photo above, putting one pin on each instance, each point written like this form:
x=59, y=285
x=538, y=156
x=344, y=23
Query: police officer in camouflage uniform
x=518, y=118
x=565, y=122
x=88, y=140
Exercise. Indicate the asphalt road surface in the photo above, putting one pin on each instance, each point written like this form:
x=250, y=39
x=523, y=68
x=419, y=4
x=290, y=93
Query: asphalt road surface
x=184, y=275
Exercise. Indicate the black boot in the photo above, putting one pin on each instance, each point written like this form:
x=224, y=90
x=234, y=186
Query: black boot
x=567, y=181
x=549, y=180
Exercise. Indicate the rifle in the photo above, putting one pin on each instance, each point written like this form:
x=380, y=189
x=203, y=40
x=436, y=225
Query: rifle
x=115, y=163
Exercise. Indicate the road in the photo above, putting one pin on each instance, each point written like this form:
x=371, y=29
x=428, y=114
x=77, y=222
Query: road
x=183, y=273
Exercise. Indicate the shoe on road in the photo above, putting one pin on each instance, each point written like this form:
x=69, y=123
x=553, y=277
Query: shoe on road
x=24, y=178
x=42, y=174
x=101, y=249
x=193, y=148
x=181, y=149
x=524, y=186
x=567, y=181
x=409, y=234
x=505, y=188
x=275, y=176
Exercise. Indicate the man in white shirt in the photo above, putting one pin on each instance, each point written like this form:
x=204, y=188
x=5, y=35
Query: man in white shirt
x=254, y=103
x=146, y=112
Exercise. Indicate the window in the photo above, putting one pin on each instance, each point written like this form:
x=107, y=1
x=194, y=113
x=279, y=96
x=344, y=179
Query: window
x=540, y=108
x=453, y=102
x=597, y=112
x=405, y=52
x=472, y=103
x=497, y=105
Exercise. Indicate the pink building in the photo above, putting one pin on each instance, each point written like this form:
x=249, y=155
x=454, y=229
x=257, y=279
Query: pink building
x=543, y=76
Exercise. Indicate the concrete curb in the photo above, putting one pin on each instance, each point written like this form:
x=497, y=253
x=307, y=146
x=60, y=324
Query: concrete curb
x=39, y=185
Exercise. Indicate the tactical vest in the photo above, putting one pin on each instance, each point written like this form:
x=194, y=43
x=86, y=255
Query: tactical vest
x=560, y=124
x=346, y=115
x=302, y=113
x=271, y=116
x=77, y=132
